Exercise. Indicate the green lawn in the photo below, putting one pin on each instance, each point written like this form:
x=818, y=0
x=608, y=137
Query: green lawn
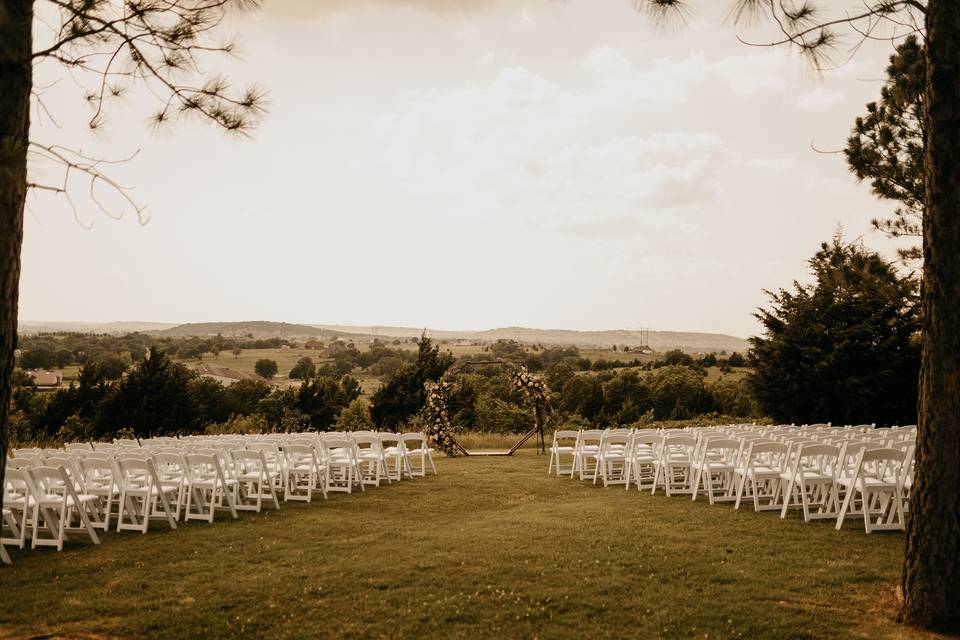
x=491, y=547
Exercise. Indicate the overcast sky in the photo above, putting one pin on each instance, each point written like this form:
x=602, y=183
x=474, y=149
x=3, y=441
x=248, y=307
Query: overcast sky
x=464, y=166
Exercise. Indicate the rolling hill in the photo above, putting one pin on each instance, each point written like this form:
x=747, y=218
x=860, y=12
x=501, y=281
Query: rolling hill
x=658, y=340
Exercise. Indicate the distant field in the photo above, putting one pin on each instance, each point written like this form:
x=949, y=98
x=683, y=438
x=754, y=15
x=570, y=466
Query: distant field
x=287, y=358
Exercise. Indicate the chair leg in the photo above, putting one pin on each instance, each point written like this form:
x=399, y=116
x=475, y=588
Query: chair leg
x=867, y=525
x=845, y=506
x=91, y=530
x=740, y=486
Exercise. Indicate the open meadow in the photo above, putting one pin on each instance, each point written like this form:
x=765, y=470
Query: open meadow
x=490, y=547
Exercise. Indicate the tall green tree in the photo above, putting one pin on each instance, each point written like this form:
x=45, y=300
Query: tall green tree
x=887, y=145
x=402, y=395
x=154, y=399
x=845, y=349
x=931, y=570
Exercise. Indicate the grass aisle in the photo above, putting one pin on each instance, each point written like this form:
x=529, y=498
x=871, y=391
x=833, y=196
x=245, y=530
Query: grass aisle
x=489, y=548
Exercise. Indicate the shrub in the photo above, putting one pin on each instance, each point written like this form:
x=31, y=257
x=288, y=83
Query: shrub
x=252, y=424
x=355, y=417
x=265, y=368
x=75, y=429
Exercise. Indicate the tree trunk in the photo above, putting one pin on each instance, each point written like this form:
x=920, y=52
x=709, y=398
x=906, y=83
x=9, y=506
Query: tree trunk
x=931, y=571
x=16, y=47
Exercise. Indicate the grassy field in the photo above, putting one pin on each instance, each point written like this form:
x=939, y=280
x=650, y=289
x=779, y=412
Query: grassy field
x=490, y=548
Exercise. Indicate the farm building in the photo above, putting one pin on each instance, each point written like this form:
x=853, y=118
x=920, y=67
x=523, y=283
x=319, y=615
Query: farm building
x=43, y=378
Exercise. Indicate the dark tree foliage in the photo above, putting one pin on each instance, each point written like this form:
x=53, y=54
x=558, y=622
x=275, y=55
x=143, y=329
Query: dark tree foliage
x=112, y=367
x=323, y=398
x=678, y=392
x=63, y=358
x=40, y=358
x=265, y=368
x=305, y=368
x=845, y=349
x=584, y=395
x=887, y=145
x=675, y=357
x=154, y=399
x=736, y=359
x=242, y=396
x=208, y=399
x=402, y=395
x=81, y=399
x=625, y=398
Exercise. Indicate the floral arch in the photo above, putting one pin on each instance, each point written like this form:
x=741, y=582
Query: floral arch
x=439, y=429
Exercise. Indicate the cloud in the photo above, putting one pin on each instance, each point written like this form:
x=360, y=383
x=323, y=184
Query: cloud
x=819, y=99
x=581, y=158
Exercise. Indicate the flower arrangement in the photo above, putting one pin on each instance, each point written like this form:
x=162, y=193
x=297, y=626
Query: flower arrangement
x=533, y=387
x=437, y=418
x=535, y=390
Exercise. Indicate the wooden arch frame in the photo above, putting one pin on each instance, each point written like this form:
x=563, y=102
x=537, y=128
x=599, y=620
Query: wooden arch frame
x=538, y=413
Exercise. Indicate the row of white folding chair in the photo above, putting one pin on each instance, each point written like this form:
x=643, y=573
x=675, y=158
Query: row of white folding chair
x=145, y=483
x=374, y=456
x=43, y=500
x=816, y=477
x=585, y=453
x=804, y=473
x=766, y=471
x=401, y=451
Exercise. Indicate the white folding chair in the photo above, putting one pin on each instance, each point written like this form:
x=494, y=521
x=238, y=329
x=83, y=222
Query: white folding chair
x=371, y=465
x=808, y=483
x=587, y=449
x=394, y=456
x=714, y=468
x=256, y=480
x=101, y=479
x=416, y=449
x=143, y=496
x=207, y=487
x=19, y=503
x=876, y=481
x=276, y=461
x=612, y=459
x=562, y=446
x=674, y=466
x=758, y=474
x=642, y=461
x=304, y=473
x=172, y=472
x=339, y=464
x=55, y=502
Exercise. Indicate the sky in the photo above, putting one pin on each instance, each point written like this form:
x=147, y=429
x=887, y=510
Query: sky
x=465, y=165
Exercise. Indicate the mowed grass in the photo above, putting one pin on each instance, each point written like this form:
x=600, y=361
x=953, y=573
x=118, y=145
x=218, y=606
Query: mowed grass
x=491, y=547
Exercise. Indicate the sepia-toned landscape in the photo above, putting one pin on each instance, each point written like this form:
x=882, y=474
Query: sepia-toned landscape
x=479, y=319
